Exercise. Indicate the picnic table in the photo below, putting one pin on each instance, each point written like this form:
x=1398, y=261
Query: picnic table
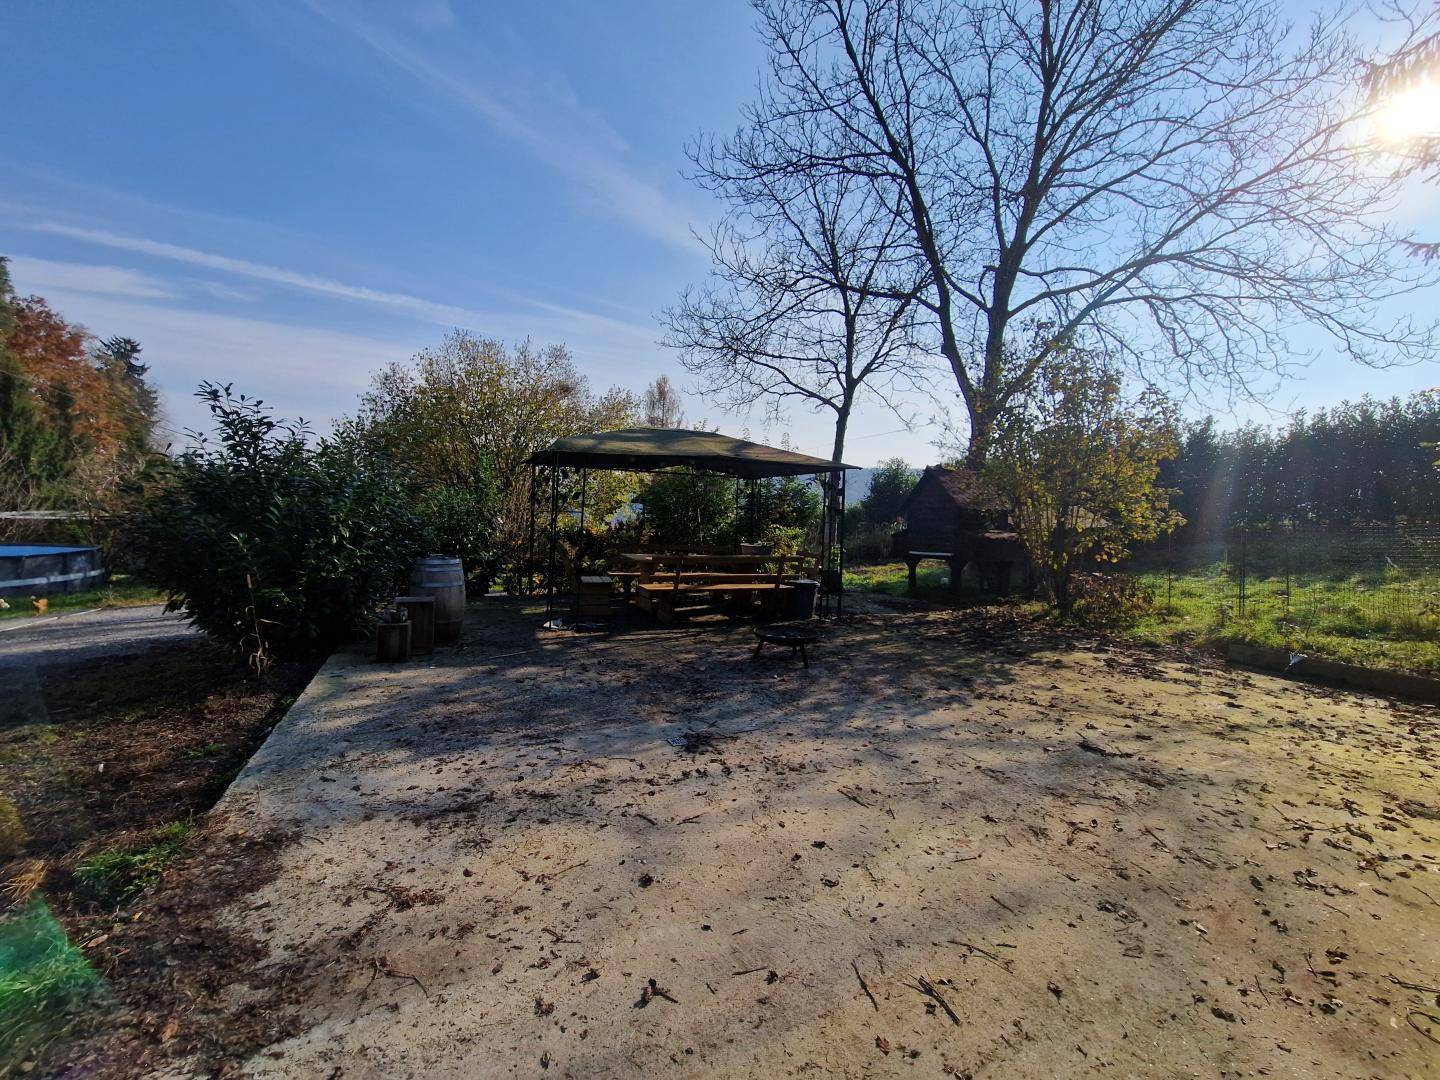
x=666, y=579
x=651, y=560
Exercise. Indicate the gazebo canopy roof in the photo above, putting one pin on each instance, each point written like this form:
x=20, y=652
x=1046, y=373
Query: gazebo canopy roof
x=648, y=449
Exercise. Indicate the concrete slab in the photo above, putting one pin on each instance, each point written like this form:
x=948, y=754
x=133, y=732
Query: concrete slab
x=949, y=848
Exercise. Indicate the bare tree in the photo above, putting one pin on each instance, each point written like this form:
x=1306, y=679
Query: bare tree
x=662, y=404
x=1178, y=183
x=807, y=301
x=1402, y=89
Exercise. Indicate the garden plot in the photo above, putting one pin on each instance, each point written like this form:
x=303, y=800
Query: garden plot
x=957, y=845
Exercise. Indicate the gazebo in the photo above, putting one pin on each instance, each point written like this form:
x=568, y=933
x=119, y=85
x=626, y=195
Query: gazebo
x=653, y=450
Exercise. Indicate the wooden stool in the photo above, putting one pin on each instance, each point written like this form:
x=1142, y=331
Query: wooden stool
x=420, y=610
x=392, y=642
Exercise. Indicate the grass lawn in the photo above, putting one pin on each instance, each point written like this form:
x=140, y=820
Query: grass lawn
x=931, y=579
x=120, y=591
x=1378, y=620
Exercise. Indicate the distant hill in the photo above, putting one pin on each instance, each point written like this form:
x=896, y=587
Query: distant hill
x=857, y=484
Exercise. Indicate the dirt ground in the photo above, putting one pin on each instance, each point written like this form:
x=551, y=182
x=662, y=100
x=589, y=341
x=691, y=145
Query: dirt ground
x=956, y=845
x=142, y=730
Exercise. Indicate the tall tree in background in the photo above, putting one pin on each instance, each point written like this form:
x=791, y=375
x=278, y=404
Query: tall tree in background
x=70, y=430
x=891, y=482
x=471, y=412
x=1174, y=182
x=31, y=457
x=119, y=359
x=662, y=405
x=1366, y=461
x=808, y=301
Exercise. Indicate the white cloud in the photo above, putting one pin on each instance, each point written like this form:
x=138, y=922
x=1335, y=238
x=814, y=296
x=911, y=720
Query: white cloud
x=301, y=370
x=317, y=372
x=565, y=324
x=443, y=314
x=42, y=275
x=226, y=292
x=552, y=127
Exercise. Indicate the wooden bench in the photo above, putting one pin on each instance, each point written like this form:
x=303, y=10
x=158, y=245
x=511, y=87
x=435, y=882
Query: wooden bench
x=664, y=581
x=660, y=598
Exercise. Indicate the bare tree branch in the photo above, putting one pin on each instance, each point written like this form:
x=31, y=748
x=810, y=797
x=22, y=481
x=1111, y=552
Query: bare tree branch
x=1181, y=183
x=807, y=303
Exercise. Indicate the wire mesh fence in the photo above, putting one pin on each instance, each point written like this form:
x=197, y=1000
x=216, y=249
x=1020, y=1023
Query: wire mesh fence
x=1365, y=592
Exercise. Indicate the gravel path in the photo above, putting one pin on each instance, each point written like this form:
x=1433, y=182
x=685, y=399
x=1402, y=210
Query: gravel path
x=89, y=635
x=29, y=646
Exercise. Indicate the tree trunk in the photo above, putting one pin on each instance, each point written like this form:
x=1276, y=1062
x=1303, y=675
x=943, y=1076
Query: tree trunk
x=982, y=434
x=1060, y=582
x=842, y=421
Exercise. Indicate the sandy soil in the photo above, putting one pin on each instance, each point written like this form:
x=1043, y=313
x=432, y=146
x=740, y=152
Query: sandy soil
x=955, y=846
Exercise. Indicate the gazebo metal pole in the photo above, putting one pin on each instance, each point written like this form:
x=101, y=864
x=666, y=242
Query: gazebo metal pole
x=840, y=562
x=823, y=483
x=554, y=519
x=530, y=543
x=580, y=546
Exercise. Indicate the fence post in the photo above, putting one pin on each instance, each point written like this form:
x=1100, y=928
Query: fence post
x=1244, y=538
x=1169, y=572
x=1289, y=540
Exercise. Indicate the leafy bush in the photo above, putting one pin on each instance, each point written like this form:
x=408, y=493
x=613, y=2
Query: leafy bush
x=1077, y=463
x=785, y=539
x=688, y=508
x=684, y=508
x=272, y=543
x=462, y=521
x=785, y=503
x=1109, y=600
x=868, y=545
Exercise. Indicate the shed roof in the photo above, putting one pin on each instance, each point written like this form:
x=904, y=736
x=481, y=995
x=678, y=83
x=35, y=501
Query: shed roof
x=647, y=449
x=965, y=487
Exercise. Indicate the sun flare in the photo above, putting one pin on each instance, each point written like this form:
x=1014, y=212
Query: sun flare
x=1411, y=114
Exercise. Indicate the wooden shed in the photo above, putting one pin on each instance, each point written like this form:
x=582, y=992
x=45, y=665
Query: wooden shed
x=951, y=515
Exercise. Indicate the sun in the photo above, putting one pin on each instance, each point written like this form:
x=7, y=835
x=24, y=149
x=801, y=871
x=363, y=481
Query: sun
x=1411, y=114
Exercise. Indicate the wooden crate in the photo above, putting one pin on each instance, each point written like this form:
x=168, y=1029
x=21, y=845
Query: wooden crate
x=592, y=595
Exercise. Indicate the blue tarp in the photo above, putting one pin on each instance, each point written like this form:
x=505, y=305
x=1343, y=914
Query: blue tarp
x=23, y=550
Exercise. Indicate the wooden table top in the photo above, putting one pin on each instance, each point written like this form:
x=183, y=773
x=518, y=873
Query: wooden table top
x=682, y=558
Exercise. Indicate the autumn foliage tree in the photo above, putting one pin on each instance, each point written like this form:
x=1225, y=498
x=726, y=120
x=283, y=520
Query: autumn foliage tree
x=76, y=415
x=1077, y=464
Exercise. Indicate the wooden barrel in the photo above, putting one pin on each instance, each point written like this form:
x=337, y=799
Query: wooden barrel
x=442, y=577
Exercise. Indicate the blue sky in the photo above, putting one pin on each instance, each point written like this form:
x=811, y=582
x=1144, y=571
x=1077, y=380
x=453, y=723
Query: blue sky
x=289, y=195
